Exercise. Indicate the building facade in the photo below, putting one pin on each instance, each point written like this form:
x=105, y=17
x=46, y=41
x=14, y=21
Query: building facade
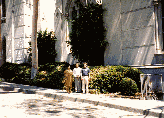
x=134, y=29
x=16, y=27
x=135, y=32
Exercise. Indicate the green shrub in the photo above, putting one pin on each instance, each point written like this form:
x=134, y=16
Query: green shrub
x=104, y=78
x=106, y=82
x=50, y=76
x=134, y=74
x=17, y=73
x=7, y=71
x=88, y=31
x=128, y=86
x=129, y=72
x=108, y=78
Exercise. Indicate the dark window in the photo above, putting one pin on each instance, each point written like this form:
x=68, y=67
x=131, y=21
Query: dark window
x=3, y=8
x=3, y=11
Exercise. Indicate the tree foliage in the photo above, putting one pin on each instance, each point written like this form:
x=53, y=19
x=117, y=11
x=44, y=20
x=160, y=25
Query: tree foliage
x=87, y=38
x=46, y=47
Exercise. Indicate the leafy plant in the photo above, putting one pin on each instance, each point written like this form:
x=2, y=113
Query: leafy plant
x=128, y=86
x=46, y=47
x=88, y=34
x=108, y=78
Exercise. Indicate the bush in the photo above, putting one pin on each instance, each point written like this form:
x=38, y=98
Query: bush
x=45, y=44
x=7, y=71
x=10, y=71
x=129, y=72
x=104, y=78
x=107, y=79
x=128, y=86
x=50, y=76
x=23, y=74
x=106, y=82
x=134, y=74
x=90, y=24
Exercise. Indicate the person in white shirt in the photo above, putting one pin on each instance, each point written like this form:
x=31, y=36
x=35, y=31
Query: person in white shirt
x=76, y=74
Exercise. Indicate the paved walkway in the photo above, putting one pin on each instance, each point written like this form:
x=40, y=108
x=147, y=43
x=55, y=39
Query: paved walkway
x=145, y=107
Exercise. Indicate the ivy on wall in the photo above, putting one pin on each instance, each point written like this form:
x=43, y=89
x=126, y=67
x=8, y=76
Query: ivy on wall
x=87, y=38
x=46, y=47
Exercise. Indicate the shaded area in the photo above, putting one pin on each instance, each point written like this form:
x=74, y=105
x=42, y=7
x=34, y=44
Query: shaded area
x=56, y=108
x=146, y=112
x=62, y=92
x=8, y=92
x=88, y=31
x=54, y=111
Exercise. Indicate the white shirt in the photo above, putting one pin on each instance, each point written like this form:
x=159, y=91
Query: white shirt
x=76, y=71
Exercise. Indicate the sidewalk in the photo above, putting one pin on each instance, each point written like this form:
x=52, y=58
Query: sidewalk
x=145, y=107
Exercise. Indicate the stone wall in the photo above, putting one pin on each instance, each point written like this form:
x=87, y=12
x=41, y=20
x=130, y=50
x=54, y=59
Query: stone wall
x=130, y=32
x=18, y=26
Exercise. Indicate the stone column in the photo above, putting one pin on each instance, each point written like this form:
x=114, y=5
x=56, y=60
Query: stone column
x=12, y=38
x=158, y=50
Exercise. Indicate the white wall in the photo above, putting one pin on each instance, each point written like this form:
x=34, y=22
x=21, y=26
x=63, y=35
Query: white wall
x=47, y=9
x=18, y=38
x=130, y=29
x=130, y=32
x=62, y=28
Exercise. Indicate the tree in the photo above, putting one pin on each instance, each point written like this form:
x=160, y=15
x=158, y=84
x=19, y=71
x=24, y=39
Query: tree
x=34, y=40
x=87, y=38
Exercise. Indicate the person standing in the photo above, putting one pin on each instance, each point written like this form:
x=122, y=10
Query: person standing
x=77, y=74
x=68, y=79
x=85, y=75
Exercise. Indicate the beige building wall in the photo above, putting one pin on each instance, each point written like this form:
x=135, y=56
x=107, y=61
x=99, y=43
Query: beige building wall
x=131, y=32
x=131, y=29
x=62, y=27
x=18, y=26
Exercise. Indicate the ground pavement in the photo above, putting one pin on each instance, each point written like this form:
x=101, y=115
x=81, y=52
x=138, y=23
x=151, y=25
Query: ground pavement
x=101, y=105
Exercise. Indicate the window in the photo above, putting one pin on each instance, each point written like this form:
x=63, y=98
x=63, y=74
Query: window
x=3, y=8
x=3, y=12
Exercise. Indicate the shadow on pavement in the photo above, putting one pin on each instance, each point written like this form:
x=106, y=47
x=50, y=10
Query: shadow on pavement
x=62, y=92
x=160, y=107
x=8, y=89
x=53, y=111
x=29, y=92
x=146, y=112
x=6, y=92
x=73, y=109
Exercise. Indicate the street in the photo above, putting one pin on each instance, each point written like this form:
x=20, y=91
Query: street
x=21, y=105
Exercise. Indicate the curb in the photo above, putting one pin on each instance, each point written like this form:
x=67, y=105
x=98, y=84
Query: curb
x=141, y=111
x=26, y=89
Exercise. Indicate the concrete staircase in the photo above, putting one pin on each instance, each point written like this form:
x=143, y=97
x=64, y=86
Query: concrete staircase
x=157, y=67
